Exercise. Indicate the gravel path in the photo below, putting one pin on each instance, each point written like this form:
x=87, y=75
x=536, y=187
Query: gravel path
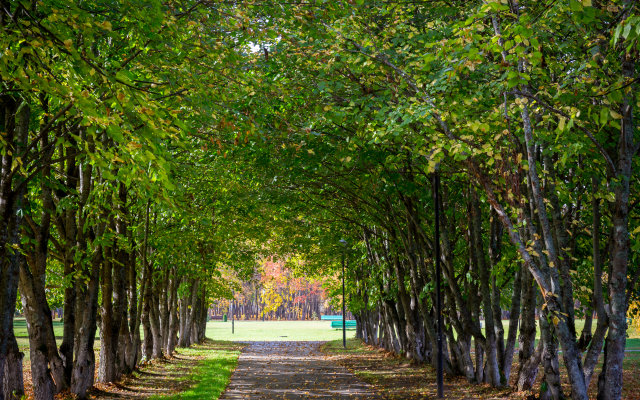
x=292, y=370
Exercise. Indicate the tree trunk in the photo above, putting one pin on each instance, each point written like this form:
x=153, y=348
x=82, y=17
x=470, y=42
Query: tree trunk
x=11, y=381
x=552, y=389
x=493, y=376
x=526, y=354
x=514, y=315
x=110, y=329
x=47, y=369
x=171, y=338
x=82, y=378
x=612, y=368
x=68, y=232
x=154, y=320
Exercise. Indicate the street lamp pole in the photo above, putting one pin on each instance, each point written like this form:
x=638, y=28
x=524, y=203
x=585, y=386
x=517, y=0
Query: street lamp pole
x=439, y=372
x=233, y=315
x=344, y=313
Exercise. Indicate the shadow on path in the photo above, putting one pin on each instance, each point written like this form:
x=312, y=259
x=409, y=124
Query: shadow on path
x=292, y=370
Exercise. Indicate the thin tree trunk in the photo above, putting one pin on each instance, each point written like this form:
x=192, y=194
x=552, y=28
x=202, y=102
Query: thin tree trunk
x=68, y=232
x=514, y=315
x=484, y=276
x=602, y=325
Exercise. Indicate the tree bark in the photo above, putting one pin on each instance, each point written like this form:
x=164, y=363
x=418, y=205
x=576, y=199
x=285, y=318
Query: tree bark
x=11, y=381
x=47, y=368
x=82, y=378
x=612, y=368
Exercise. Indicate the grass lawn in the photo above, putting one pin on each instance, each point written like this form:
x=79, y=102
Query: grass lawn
x=210, y=376
x=275, y=330
x=199, y=372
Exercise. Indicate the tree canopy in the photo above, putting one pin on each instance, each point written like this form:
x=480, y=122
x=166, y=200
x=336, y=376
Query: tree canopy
x=151, y=150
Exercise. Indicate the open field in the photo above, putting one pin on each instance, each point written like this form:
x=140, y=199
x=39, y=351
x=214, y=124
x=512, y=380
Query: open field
x=218, y=330
x=267, y=331
x=275, y=330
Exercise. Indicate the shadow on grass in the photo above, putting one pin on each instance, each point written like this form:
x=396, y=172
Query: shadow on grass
x=210, y=376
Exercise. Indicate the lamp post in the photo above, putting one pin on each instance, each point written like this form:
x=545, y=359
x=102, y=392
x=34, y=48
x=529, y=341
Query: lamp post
x=344, y=314
x=233, y=315
x=436, y=201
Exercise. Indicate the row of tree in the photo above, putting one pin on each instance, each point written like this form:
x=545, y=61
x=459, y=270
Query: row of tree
x=530, y=123
x=98, y=182
x=148, y=147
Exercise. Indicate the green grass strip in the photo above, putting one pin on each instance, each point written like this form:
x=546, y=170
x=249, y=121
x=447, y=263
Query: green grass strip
x=211, y=375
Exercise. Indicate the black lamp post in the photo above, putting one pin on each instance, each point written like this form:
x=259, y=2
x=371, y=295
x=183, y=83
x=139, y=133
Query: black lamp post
x=436, y=201
x=344, y=314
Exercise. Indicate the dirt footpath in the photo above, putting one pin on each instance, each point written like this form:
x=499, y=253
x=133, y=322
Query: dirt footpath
x=292, y=370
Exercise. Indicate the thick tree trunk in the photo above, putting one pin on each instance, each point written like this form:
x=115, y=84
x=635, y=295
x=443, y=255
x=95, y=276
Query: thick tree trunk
x=526, y=354
x=47, y=369
x=154, y=321
x=189, y=308
x=110, y=325
x=553, y=388
x=82, y=378
x=612, y=368
x=528, y=371
x=11, y=382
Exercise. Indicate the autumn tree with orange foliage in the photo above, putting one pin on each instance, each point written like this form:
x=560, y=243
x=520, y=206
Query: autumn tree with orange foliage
x=275, y=292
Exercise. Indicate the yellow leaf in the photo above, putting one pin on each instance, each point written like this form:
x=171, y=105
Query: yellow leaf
x=615, y=115
x=120, y=96
x=556, y=321
x=586, y=3
x=561, y=124
x=68, y=43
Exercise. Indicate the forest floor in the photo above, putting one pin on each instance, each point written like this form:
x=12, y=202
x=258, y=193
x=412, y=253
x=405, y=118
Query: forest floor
x=398, y=378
